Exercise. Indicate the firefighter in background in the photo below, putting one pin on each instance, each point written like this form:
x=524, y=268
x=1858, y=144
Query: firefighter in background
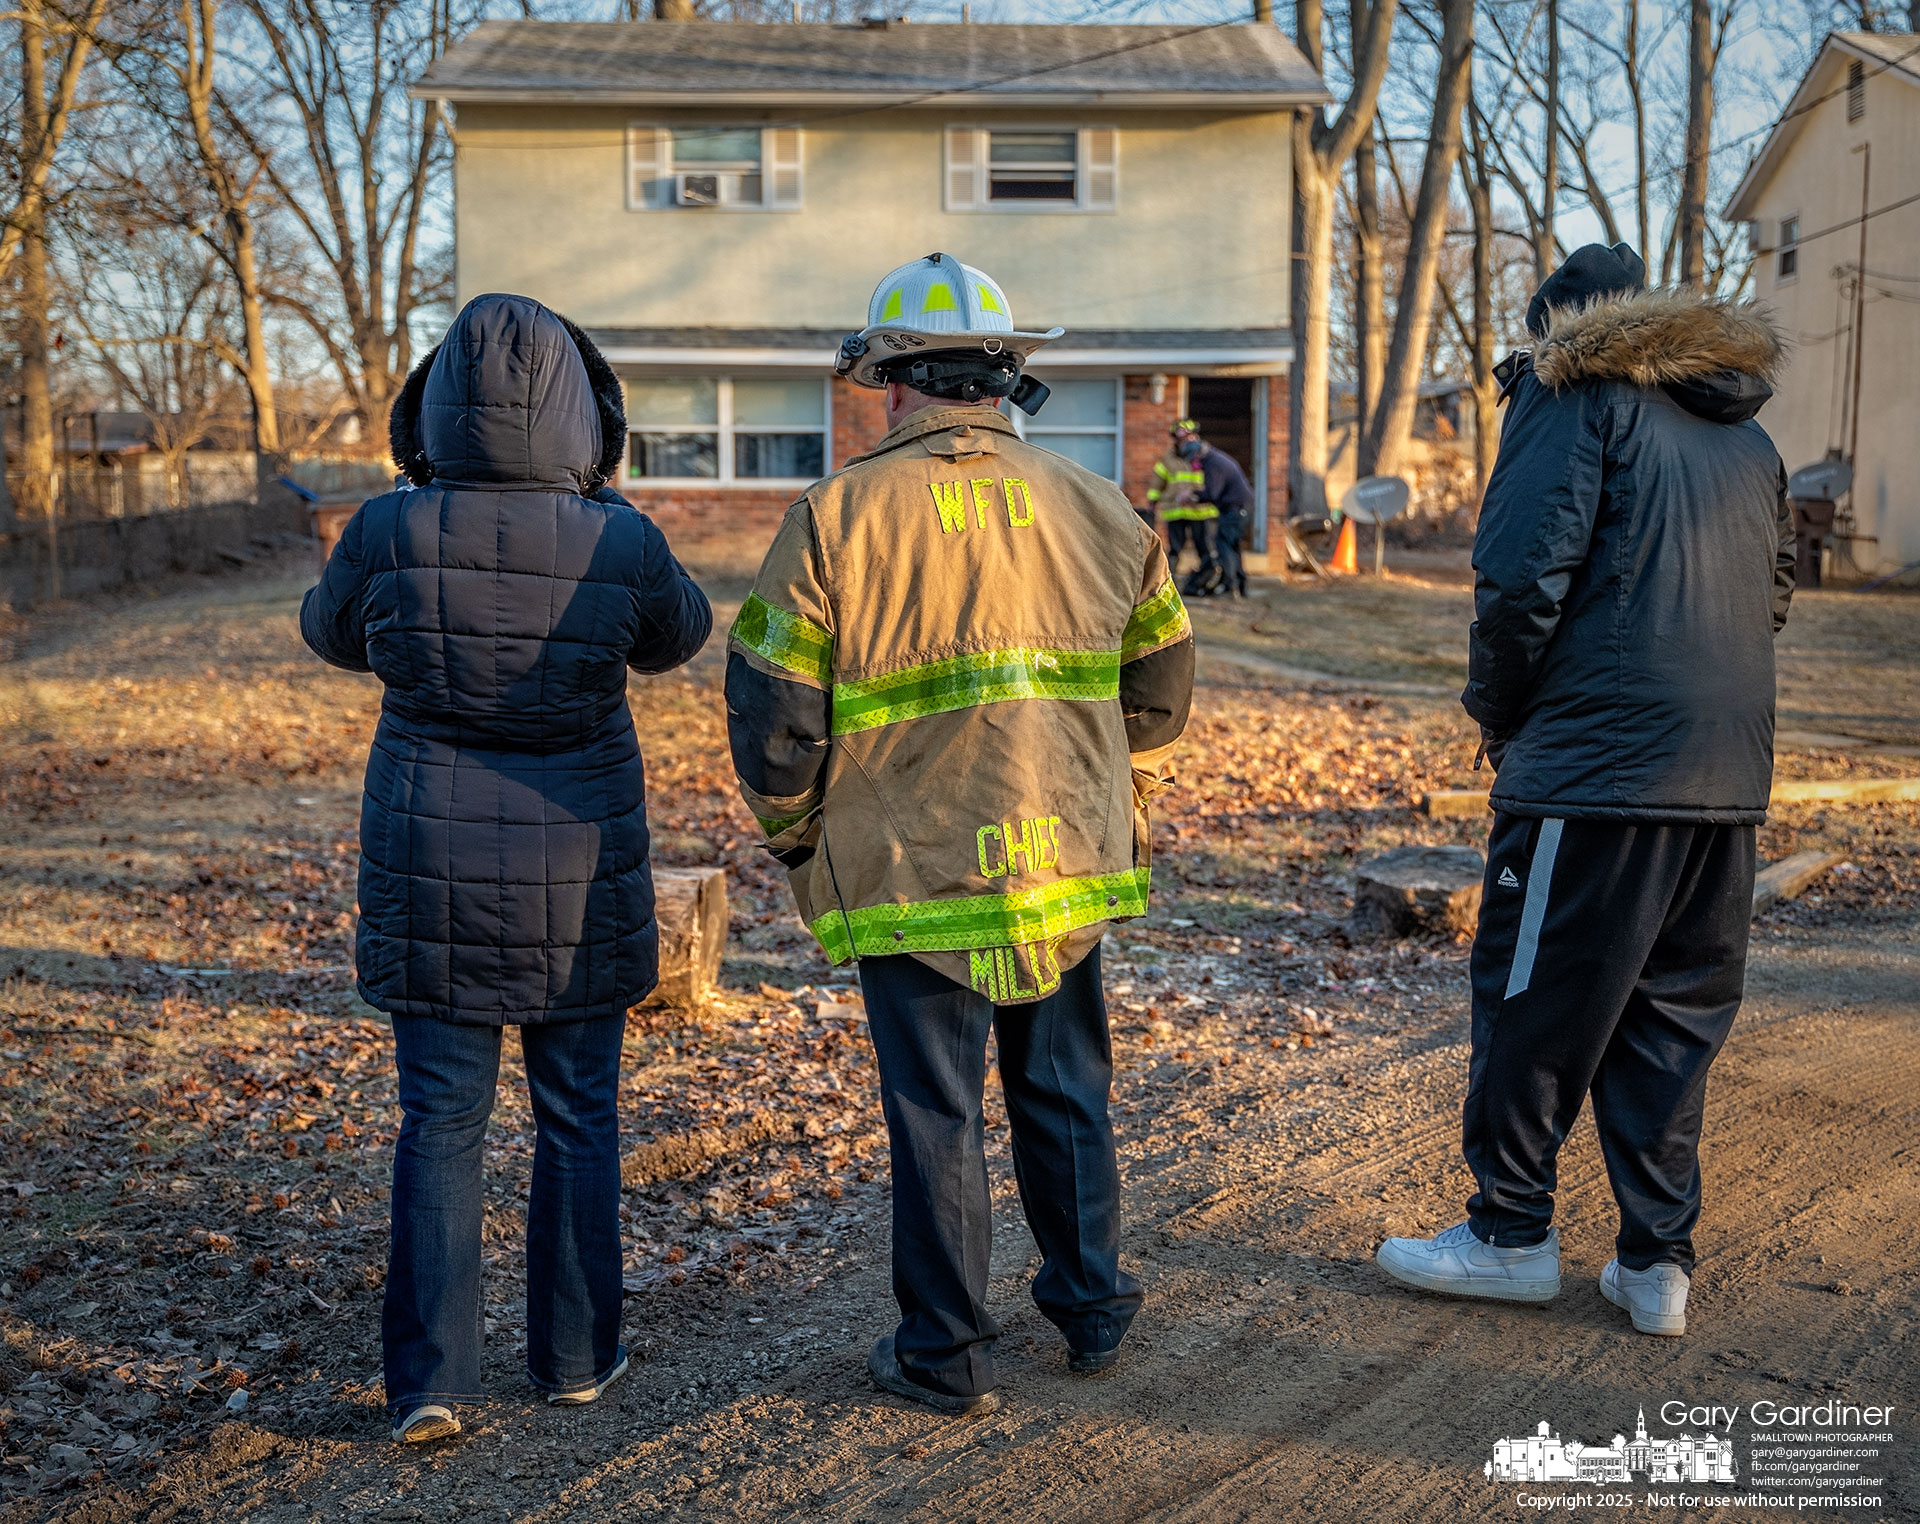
x=1177, y=491
x=949, y=696
x=1226, y=496
x=1175, y=488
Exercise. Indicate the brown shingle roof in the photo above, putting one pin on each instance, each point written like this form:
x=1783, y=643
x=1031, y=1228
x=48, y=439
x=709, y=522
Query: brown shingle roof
x=710, y=62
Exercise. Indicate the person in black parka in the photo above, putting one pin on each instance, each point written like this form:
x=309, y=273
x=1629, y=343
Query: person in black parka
x=1633, y=562
x=504, y=876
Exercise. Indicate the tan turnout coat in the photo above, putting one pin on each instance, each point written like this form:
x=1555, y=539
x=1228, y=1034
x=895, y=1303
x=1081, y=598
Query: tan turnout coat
x=975, y=608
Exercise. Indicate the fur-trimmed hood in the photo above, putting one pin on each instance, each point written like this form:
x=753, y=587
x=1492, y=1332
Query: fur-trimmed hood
x=1715, y=358
x=499, y=400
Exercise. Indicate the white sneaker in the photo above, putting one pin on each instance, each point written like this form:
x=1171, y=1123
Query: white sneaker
x=428, y=1422
x=1655, y=1298
x=591, y=1393
x=1456, y=1263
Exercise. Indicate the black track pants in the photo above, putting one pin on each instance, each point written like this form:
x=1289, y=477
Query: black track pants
x=1056, y=1066
x=1610, y=957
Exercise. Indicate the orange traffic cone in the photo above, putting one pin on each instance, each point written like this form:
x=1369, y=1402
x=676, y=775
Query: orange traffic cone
x=1345, y=558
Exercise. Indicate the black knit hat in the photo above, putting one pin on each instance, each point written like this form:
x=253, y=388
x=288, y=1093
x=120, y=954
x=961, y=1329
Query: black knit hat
x=1590, y=272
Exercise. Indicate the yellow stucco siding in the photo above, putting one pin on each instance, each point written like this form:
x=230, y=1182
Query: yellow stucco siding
x=541, y=208
x=1818, y=181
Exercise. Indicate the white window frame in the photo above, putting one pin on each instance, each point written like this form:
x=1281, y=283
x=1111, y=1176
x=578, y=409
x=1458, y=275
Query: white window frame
x=725, y=431
x=1788, y=246
x=649, y=166
x=1037, y=430
x=966, y=168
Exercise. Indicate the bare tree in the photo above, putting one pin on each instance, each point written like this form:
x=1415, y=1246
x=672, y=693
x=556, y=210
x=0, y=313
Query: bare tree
x=1320, y=154
x=1392, y=424
x=354, y=163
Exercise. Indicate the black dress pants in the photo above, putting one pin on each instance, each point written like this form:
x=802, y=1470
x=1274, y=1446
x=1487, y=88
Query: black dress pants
x=1611, y=958
x=1227, y=546
x=1056, y=1066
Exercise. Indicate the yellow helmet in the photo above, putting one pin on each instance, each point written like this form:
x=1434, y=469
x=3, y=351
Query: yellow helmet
x=935, y=305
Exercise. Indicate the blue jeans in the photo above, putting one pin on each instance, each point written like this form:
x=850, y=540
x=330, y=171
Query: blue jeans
x=1056, y=1068
x=431, y=1324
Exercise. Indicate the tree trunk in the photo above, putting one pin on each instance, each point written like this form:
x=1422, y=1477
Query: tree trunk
x=1370, y=303
x=1636, y=88
x=1699, y=140
x=1545, y=250
x=1311, y=342
x=1413, y=314
x=1478, y=177
x=673, y=10
x=38, y=499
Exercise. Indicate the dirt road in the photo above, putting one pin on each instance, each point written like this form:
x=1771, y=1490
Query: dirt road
x=1286, y=1098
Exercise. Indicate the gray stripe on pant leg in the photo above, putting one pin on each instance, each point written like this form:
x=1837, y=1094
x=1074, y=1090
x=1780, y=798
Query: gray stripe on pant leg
x=1539, y=879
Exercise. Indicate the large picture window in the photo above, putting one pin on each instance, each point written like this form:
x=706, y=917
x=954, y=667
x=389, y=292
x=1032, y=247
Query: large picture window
x=1081, y=420
x=718, y=429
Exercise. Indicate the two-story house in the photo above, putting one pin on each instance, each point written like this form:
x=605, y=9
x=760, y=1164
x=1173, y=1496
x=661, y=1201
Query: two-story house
x=1839, y=177
x=714, y=202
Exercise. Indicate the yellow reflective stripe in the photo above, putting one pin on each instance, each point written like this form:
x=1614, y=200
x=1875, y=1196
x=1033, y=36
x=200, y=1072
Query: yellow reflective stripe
x=785, y=638
x=972, y=680
x=890, y=309
x=939, y=298
x=988, y=301
x=1038, y=914
x=1156, y=622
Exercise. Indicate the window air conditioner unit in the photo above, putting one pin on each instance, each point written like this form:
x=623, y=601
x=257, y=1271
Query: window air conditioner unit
x=696, y=190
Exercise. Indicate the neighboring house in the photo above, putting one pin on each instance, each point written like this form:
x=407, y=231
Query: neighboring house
x=1851, y=132
x=715, y=201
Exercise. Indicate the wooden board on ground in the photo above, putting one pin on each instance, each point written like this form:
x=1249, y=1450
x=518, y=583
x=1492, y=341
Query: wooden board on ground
x=1790, y=876
x=1455, y=802
x=691, y=907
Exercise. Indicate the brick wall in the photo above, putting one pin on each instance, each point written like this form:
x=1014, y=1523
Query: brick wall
x=1145, y=430
x=1276, y=462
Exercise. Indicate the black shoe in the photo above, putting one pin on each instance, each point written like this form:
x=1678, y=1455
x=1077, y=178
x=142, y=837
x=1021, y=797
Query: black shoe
x=1091, y=1362
x=885, y=1370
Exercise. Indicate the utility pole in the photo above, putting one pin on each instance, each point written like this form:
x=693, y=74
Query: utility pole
x=1865, y=150
x=1699, y=142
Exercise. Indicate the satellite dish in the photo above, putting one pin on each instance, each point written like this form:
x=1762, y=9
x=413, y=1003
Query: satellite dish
x=1375, y=499
x=1824, y=481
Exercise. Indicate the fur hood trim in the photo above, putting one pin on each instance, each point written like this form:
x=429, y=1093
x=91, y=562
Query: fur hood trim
x=1657, y=338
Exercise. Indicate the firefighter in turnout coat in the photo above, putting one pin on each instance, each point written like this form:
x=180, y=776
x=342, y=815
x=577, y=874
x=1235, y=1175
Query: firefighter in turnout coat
x=948, y=697
x=1633, y=562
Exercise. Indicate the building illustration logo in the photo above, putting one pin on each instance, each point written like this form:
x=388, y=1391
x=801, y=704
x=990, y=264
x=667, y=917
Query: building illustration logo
x=1544, y=1457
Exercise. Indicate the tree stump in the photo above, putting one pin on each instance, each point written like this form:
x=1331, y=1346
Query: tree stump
x=690, y=905
x=1416, y=889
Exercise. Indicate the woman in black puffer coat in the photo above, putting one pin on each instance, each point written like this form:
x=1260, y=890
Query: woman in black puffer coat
x=504, y=877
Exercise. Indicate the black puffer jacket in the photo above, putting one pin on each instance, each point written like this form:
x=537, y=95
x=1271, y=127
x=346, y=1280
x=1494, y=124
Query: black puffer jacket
x=1633, y=563
x=503, y=834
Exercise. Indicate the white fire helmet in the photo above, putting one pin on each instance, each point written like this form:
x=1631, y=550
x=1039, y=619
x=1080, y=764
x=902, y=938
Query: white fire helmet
x=936, y=305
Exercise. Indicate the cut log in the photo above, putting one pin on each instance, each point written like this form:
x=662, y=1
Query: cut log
x=690, y=905
x=1418, y=889
x=1791, y=876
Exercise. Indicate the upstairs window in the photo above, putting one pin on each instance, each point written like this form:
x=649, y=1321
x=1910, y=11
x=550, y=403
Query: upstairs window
x=715, y=166
x=715, y=429
x=1032, y=169
x=1856, y=90
x=1787, y=264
